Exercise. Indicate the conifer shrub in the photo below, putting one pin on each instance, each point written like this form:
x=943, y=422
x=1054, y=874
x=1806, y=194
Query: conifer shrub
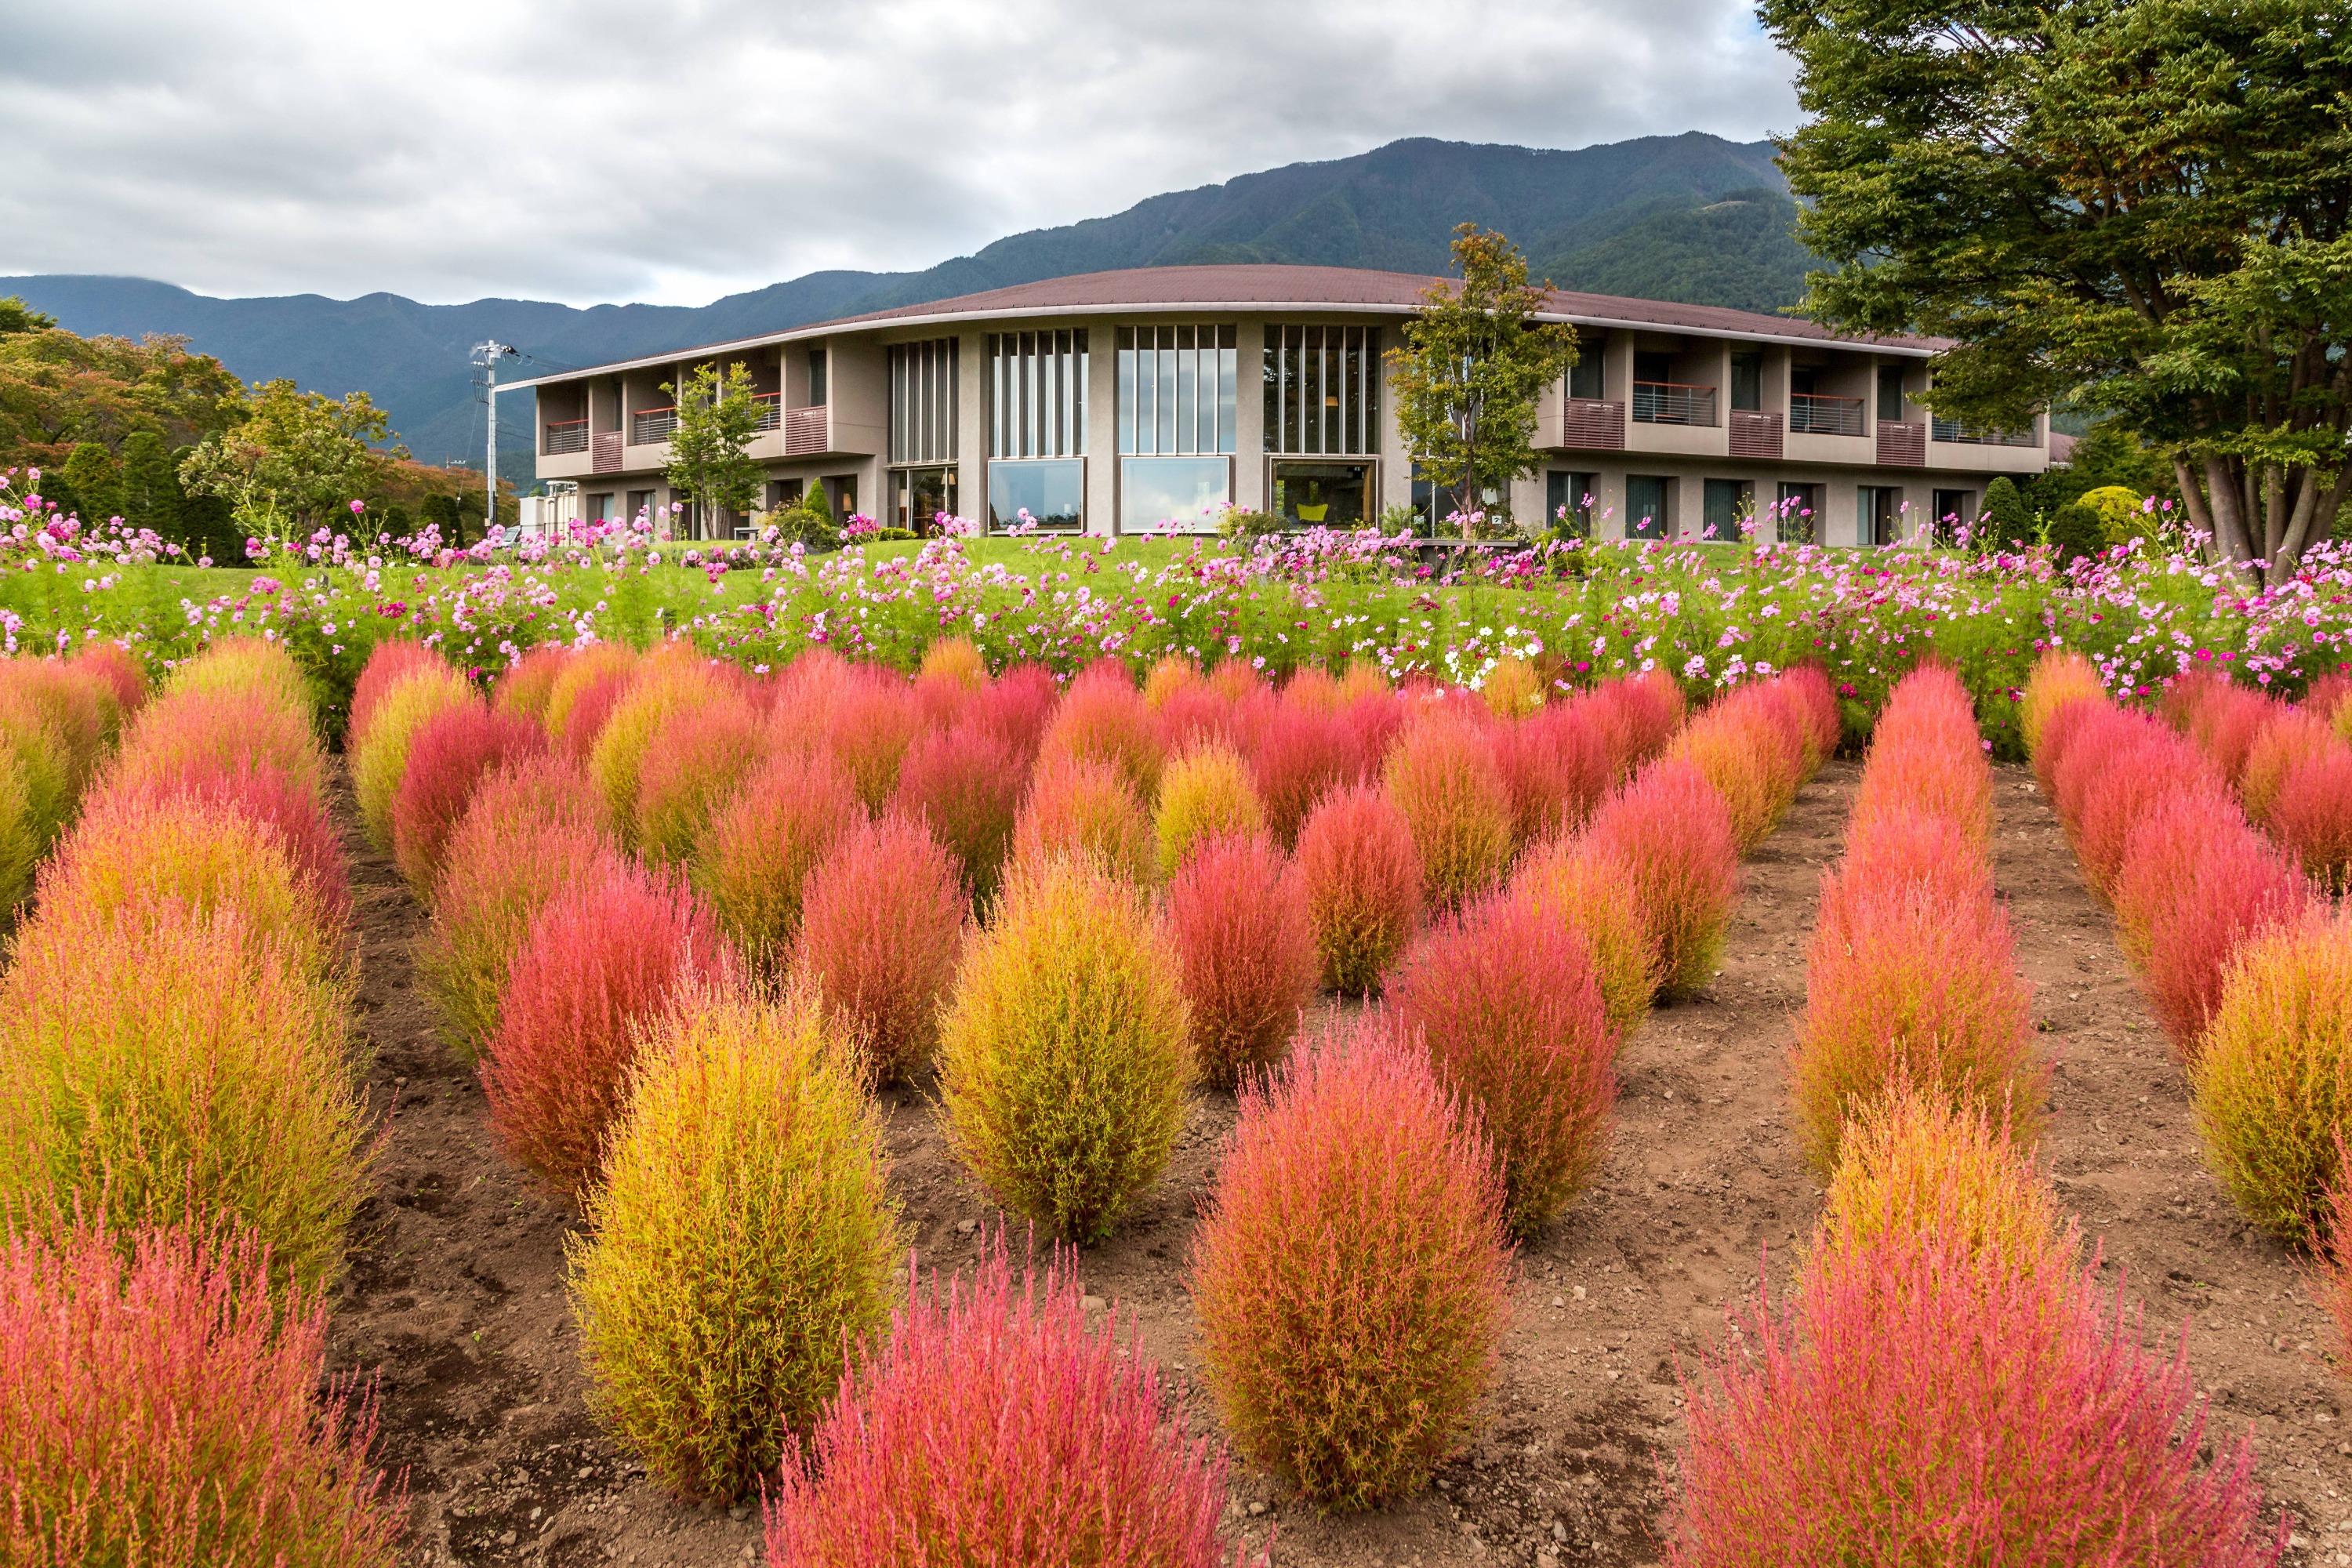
x=1556, y=766
x=450, y=755
x=1244, y=953
x=1441, y=774
x=741, y=1241
x=1087, y=810
x=2274, y=1082
x=503, y=867
x=700, y=759
x=873, y=720
x=602, y=961
x=187, y=733
x=1587, y=890
x=1673, y=834
x=1507, y=1000
x=1911, y=1164
x=525, y=687
x=2061, y=677
x=1103, y=719
x=200, y=1075
x=1064, y=1056
x=965, y=784
x=594, y=676
x=1362, y=875
x=1301, y=754
x=2312, y=815
x=159, y=1405
x=882, y=920
x=755, y=858
x=388, y=663
x=1907, y=984
x=1350, y=1275
x=1204, y=795
x=380, y=760
x=2291, y=738
x=274, y=801
x=1921, y=1401
x=991, y=1421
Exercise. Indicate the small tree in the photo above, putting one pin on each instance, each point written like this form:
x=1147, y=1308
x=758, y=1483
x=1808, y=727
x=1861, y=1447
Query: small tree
x=296, y=461
x=717, y=417
x=1475, y=362
x=97, y=483
x=150, y=486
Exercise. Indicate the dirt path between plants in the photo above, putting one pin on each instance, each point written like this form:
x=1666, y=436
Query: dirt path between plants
x=455, y=1286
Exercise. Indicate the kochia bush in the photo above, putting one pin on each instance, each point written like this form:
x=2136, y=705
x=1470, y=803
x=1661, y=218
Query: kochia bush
x=1671, y=831
x=274, y=802
x=1301, y=754
x=756, y=855
x=500, y=874
x=881, y=924
x=1078, y=809
x=1362, y=877
x=388, y=663
x=1441, y=774
x=1245, y=950
x=2060, y=680
x=701, y=757
x=2198, y=883
x=190, y=732
x=965, y=784
x=1102, y=720
x=447, y=760
x=1555, y=765
x=742, y=1239
x=1350, y=1275
x=673, y=681
x=2312, y=815
x=380, y=759
x=1590, y=892
x=1204, y=794
x=1914, y=1163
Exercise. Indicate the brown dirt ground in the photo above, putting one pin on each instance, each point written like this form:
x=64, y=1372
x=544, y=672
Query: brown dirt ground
x=455, y=1295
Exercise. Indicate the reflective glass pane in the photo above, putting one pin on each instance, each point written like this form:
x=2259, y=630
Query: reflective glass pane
x=1050, y=490
x=1322, y=495
x=1157, y=493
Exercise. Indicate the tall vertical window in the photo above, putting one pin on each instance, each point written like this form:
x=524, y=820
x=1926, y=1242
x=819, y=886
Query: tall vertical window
x=923, y=402
x=1747, y=381
x=1175, y=389
x=1584, y=377
x=1646, y=508
x=1570, y=500
x=1890, y=392
x=817, y=378
x=1323, y=389
x=1722, y=505
x=1037, y=394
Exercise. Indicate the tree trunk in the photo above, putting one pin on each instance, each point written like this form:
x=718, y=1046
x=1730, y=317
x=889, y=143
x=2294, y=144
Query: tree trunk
x=2229, y=519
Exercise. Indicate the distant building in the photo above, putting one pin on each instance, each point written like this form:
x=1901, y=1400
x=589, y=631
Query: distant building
x=1145, y=400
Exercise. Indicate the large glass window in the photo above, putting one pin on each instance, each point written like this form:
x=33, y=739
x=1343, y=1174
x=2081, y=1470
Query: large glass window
x=1646, y=508
x=1175, y=389
x=1725, y=501
x=1585, y=377
x=923, y=402
x=817, y=378
x=1037, y=394
x=1800, y=514
x=1890, y=392
x=1048, y=492
x=1747, y=381
x=918, y=496
x=1322, y=495
x=1322, y=389
x=1158, y=494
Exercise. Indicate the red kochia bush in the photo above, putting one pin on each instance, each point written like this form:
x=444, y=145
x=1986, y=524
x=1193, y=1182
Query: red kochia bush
x=2291, y=738
x=1924, y=1402
x=388, y=663
x=1244, y=953
x=1301, y=754
x=1507, y=1000
x=758, y=850
x=1556, y=765
x=125, y=677
x=2201, y=891
x=881, y=925
x=190, y=731
x=600, y=962
x=1905, y=846
x=1017, y=706
x=965, y=784
x=1441, y=773
x=2312, y=816
x=454, y=751
x=1649, y=707
x=1350, y=1275
x=1361, y=877
x=1672, y=830
x=2114, y=790
x=1102, y=719
x=165, y=1408
x=698, y=759
x=1085, y=809
x=994, y=1425
x=875, y=717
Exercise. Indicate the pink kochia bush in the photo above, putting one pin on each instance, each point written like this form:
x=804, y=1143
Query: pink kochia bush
x=158, y=1405
x=965, y=783
x=1350, y=1275
x=699, y=758
x=1673, y=833
x=451, y=754
x=599, y=966
x=881, y=926
x=1926, y=1402
x=2312, y=816
x=1362, y=875
x=994, y=1425
x=1441, y=774
x=1244, y=953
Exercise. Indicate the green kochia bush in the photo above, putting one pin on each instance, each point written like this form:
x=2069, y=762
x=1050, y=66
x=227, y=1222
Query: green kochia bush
x=742, y=1241
x=1064, y=1056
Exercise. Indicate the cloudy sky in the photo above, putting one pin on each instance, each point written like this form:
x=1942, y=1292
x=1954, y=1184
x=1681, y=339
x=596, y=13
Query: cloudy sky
x=675, y=150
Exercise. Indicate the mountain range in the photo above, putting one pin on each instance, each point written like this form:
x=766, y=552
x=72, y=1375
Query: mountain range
x=1692, y=218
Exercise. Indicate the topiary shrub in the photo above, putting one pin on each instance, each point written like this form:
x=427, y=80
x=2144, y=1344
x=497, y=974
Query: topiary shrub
x=994, y=1420
x=699, y=758
x=881, y=924
x=603, y=960
x=2076, y=533
x=1245, y=954
x=450, y=755
x=965, y=784
x=1084, y=810
x=1102, y=720
x=1204, y=794
x=1671, y=831
x=1348, y=1275
x=500, y=873
x=199, y=1075
x=1441, y=774
x=1362, y=874
x=1588, y=891
x=2274, y=1082
x=380, y=760
x=2005, y=521
x=1506, y=999
x=742, y=1239
x=165, y=1406
x=1063, y=1062
x=756, y=857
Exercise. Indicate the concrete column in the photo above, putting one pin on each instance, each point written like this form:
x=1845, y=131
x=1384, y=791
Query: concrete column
x=1249, y=415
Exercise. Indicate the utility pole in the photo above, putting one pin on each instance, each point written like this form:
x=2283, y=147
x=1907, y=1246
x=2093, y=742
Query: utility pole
x=486, y=354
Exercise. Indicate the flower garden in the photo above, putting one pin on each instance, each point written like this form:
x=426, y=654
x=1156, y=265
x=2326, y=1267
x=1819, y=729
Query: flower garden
x=1147, y=1051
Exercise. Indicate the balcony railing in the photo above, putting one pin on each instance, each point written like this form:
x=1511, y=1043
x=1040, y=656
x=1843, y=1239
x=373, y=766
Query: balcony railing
x=1969, y=435
x=1816, y=414
x=771, y=410
x=648, y=425
x=1755, y=433
x=1594, y=423
x=1671, y=403
x=566, y=435
x=1902, y=444
x=807, y=432
x=605, y=455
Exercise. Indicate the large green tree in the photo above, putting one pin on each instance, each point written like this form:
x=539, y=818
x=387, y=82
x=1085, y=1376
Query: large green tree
x=58, y=390
x=295, y=462
x=2141, y=207
x=1475, y=362
x=717, y=417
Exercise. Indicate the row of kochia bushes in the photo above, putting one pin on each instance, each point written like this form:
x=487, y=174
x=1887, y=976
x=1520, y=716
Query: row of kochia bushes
x=686, y=921
x=183, y=1139
x=2245, y=959
x=1949, y=1383
x=2291, y=764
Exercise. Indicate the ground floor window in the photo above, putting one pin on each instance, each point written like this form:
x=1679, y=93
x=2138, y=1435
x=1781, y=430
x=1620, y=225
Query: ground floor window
x=1048, y=492
x=918, y=496
x=1646, y=507
x=1434, y=501
x=1955, y=510
x=1724, y=503
x=599, y=507
x=1570, y=502
x=1797, y=520
x=641, y=508
x=784, y=494
x=1159, y=494
x=1321, y=495
x=1878, y=515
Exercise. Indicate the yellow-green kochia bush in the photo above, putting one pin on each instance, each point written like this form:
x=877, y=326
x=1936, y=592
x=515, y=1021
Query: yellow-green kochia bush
x=741, y=1242
x=380, y=760
x=1064, y=1055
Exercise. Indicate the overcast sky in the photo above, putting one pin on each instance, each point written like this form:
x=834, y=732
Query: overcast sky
x=607, y=150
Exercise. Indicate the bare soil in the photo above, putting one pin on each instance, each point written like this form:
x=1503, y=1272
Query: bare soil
x=455, y=1298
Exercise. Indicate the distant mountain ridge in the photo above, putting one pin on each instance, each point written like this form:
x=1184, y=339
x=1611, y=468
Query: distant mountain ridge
x=1692, y=218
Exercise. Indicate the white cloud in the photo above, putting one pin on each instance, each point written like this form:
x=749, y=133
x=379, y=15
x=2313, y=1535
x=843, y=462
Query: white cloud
x=675, y=150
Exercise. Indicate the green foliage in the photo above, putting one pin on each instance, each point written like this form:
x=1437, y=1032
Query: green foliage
x=57, y=390
x=15, y=316
x=717, y=417
x=1739, y=250
x=2076, y=531
x=97, y=483
x=1241, y=522
x=742, y=1241
x=2120, y=514
x=2006, y=515
x=151, y=497
x=294, y=462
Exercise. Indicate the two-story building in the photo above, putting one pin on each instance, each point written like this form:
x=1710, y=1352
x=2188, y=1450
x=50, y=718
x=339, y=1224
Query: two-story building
x=1265, y=387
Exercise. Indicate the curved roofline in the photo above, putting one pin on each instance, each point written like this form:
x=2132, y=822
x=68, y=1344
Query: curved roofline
x=1227, y=288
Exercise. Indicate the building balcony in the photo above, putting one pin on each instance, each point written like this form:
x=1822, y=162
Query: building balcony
x=1594, y=424
x=807, y=431
x=565, y=436
x=651, y=427
x=772, y=413
x=1816, y=414
x=1673, y=402
x=1953, y=431
x=1756, y=434
x=1902, y=444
